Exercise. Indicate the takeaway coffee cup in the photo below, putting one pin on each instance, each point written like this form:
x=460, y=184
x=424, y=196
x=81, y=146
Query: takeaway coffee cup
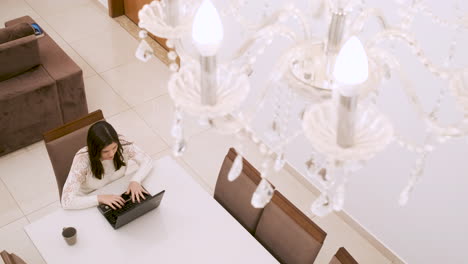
x=69, y=234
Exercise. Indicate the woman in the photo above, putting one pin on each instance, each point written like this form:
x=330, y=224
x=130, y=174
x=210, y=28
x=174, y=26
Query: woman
x=102, y=161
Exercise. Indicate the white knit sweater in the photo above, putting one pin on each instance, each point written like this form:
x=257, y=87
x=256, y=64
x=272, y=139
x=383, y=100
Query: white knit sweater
x=81, y=182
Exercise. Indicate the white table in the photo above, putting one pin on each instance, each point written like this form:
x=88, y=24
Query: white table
x=188, y=227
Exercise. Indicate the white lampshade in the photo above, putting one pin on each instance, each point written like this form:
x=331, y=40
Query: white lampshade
x=351, y=66
x=207, y=29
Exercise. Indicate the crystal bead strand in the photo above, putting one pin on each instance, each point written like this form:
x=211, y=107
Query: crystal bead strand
x=415, y=178
x=236, y=168
x=275, y=125
x=424, y=10
x=172, y=56
x=412, y=147
x=432, y=118
x=279, y=162
x=358, y=24
x=407, y=15
x=177, y=133
x=396, y=34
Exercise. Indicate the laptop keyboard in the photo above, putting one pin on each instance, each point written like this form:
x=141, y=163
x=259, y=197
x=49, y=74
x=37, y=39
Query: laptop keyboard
x=112, y=214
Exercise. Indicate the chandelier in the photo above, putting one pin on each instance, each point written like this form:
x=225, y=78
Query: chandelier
x=337, y=76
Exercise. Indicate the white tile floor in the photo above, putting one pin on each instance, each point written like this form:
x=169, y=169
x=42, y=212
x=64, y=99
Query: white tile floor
x=134, y=99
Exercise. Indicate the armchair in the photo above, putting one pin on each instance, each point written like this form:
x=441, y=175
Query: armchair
x=41, y=87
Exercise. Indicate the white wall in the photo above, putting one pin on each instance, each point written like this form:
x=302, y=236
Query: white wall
x=433, y=227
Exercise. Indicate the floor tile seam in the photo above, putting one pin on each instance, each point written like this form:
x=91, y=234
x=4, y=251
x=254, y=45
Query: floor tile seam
x=115, y=66
x=45, y=20
x=35, y=11
x=90, y=35
x=12, y=221
x=150, y=99
x=115, y=91
x=151, y=128
x=79, y=55
x=154, y=133
x=68, y=43
x=192, y=171
x=69, y=9
x=61, y=11
x=12, y=196
x=37, y=210
x=107, y=117
x=195, y=172
x=90, y=4
x=191, y=167
x=199, y=132
x=156, y=130
x=9, y=155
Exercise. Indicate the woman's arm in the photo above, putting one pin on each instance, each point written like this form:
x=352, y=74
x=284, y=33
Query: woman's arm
x=71, y=196
x=133, y=152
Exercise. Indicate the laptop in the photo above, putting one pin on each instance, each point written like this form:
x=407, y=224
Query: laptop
x=131, y=210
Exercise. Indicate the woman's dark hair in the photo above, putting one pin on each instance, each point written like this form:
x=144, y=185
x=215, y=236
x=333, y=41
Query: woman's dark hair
x=100, y=135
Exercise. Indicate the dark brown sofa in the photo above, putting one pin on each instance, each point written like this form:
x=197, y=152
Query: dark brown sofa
x=41, y=87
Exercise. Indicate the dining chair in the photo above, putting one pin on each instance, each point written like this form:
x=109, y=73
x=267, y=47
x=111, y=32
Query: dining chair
x=342, y=256
x=11, y=258
x=289, y=235
x=63, y=142
x=235, y=196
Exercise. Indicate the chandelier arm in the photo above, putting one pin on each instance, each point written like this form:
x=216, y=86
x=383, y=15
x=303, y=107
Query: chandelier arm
x=407, y=14
x=458, y=129
x=454, y=130
x=250, y=114
x=392, y=34
x=368, y=13
x=414, y=179
x=411, y=93
x=277, y=17
x=233, y=8
x=424, y=10
x=266, y=34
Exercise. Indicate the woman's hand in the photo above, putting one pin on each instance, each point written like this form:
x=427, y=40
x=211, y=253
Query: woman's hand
x=114, y=201
x=136, y=191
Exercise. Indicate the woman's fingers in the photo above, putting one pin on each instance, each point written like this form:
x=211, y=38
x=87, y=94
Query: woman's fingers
x=118, y=201
x=111, y=205
x=137, y=194
x=142, y=196
x=138, y=197
x=117, y=204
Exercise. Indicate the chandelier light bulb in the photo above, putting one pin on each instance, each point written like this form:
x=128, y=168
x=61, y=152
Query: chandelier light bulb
x=351, y=66
x=207, y=29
